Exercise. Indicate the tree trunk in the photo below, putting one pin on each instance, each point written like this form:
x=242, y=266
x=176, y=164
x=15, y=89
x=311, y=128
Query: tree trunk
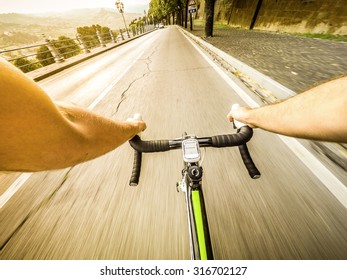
x=186, y=16
x=179, y=17
x=209, y=11
x=257, y=9
x=231, y=8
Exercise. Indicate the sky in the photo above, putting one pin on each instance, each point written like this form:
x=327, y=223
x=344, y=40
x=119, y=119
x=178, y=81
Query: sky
x=40, y=6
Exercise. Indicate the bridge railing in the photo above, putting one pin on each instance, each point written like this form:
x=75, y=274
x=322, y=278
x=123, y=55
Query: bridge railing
x=32, y=57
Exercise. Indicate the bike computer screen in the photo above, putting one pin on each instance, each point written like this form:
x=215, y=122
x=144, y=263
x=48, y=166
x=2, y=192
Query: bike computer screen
x=190, y=148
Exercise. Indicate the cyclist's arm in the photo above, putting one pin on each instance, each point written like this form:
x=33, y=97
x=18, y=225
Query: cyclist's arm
x=35, y=134
x=319, y=113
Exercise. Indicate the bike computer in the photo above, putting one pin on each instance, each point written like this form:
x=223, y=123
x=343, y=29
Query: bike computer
x=191, y=152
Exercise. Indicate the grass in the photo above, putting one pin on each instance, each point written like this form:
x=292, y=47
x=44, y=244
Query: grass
x=218, y=25
x=324, y=36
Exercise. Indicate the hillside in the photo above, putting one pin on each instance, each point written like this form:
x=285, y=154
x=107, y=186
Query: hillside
x=21, y=29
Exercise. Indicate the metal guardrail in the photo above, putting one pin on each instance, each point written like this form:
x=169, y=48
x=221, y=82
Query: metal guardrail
x=29, y=58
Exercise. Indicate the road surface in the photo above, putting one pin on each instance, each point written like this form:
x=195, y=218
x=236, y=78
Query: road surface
x=90, y=212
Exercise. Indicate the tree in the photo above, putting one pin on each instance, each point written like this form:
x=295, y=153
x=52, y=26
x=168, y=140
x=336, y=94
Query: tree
x=26, y=65
x=44, y=55
x=155, y=9
x=64, y=45
x=140, y=24
x=209, y=12
x=67, y=47
x=88, y=36
x=105, y=34
x=165, y=9
x=181, y=11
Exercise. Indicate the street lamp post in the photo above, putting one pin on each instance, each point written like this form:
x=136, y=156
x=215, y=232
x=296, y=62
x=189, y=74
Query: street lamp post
x=120, y=8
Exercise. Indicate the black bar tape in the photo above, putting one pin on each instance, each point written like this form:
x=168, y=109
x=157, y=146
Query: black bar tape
x=243, y=136
x=135, y=174
x=247, y=160
x=149, y=146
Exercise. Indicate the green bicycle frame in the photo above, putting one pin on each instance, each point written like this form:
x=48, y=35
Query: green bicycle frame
x=201, y=248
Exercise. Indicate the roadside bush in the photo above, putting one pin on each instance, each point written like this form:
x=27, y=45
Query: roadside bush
x=44, y=55
x=26, y=65
x=67, y=47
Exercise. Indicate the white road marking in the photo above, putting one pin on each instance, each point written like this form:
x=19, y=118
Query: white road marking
x=334, y=185
x=14, y=188
x=20, y=181
x=226, y=78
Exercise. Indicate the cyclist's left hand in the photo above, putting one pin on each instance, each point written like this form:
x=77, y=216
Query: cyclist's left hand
x=137, y=120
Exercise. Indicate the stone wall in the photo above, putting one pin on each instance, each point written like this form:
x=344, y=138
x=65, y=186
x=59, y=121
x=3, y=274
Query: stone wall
x=301, y=16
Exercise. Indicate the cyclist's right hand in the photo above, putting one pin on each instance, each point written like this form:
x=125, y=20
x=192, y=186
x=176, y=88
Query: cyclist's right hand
x=241, y=114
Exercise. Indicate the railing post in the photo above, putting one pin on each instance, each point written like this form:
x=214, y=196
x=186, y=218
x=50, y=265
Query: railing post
x=112, y=37
x=100, y=38
x=81, y=42
x=56, y=55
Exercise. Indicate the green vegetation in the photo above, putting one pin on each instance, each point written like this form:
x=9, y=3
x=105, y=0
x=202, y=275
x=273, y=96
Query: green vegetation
x=25, y=29
x=26, y=65
x=67, y=47
x=324, y=36
x=89, y=35
x=163, y=10
x=44, y=56
x=63, y=47
x=216, y=25
x=137, y=26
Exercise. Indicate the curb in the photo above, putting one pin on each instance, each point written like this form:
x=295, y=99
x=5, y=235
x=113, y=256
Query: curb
x=267, y=89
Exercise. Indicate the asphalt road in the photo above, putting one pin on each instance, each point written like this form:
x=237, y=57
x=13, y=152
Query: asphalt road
x=90, y=212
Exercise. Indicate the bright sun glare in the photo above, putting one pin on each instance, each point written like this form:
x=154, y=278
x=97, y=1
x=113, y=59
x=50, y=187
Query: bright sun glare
x=39, y=6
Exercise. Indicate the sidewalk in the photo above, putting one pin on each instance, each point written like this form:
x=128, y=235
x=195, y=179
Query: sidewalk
x=296, y=62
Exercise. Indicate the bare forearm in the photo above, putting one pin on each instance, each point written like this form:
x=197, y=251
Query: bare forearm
x=99, y=134
x=319, y=113
x=38, y=135
x=79, y=136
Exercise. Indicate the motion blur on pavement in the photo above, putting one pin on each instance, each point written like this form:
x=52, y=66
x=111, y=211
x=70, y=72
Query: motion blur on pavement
x=296, y=210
